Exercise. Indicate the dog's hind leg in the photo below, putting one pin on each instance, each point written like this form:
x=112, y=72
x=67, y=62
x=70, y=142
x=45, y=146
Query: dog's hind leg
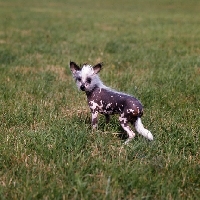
x=124, y=123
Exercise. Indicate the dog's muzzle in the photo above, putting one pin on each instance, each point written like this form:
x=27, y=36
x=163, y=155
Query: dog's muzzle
x=82, y=87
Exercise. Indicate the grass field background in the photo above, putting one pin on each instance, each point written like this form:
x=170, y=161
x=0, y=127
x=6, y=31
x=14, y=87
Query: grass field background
x=150, y=49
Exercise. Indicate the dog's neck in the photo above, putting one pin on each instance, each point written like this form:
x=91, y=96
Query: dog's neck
x=89, y=93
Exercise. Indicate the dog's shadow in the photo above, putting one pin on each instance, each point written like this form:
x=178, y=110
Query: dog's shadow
x=112, y=127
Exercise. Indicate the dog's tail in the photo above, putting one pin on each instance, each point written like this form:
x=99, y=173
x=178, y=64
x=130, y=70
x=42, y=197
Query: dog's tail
x=141, y=130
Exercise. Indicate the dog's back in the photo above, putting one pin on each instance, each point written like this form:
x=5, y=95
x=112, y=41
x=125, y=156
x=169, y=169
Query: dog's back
x=107, y=101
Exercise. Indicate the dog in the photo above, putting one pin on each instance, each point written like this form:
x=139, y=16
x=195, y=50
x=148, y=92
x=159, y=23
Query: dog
x=104, y=100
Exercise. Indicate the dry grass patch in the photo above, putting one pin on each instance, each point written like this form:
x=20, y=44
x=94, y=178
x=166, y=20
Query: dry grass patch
x=59, y=71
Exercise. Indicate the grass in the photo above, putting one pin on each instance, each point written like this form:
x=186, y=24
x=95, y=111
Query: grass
x=150, y=49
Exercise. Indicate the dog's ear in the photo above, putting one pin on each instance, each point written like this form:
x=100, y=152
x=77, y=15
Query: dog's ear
x=97, y=68
x=74, y=67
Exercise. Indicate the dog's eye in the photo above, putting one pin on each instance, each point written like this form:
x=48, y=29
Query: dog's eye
x=89, y=80
x=78, y=79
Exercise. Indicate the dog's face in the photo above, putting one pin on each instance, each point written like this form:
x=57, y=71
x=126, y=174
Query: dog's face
x=86, y=77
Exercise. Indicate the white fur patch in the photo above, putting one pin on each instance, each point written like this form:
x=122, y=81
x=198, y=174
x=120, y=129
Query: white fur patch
x=130, y=111
x=86, y=72
x=122, y=119
x=95, y=105
x=108, y=105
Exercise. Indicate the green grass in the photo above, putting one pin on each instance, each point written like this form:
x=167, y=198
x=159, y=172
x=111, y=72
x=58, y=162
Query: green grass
x=150, y=49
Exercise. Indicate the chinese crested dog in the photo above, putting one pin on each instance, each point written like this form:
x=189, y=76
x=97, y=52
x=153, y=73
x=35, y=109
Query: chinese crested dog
x=104, y=100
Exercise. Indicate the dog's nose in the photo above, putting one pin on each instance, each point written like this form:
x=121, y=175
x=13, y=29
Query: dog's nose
x=82, y=87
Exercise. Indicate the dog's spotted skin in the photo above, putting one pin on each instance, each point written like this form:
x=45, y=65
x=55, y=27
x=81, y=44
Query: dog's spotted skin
x=106, y=101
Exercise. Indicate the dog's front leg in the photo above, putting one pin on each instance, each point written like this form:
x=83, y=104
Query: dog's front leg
x=94, y=119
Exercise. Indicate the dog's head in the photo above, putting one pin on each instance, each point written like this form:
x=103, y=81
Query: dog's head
x=86, y=77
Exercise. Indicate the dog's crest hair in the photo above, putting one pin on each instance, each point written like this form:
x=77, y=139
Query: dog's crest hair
x=87, y=71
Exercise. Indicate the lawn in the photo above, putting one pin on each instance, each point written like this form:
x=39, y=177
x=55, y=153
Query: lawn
x=150, y=49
